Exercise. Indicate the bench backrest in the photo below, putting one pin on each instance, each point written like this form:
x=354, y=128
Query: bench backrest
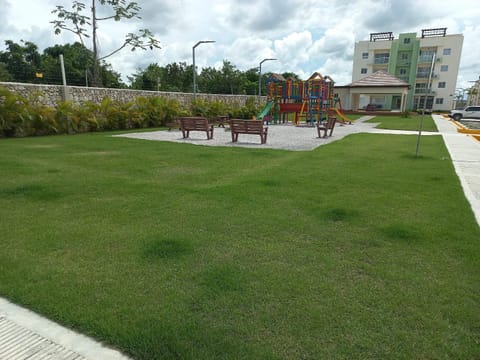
x=194, y=122
x=331, y=122
x=246, y=125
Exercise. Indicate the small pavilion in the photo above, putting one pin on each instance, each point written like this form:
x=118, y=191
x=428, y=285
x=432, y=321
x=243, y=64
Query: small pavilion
x=378, y=84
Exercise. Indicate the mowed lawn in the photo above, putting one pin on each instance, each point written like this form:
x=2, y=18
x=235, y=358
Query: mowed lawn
x=174, y=251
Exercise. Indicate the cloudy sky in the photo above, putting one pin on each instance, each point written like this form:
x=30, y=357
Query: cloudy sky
x=304, y=35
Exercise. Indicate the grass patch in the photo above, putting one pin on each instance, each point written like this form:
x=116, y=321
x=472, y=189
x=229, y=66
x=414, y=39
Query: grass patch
x=401, y=123
x=354, y=250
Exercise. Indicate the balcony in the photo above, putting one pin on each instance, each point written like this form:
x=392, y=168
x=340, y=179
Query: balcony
x=380, y=61
x=403, y=63
x=425, y=59
x=424, y=91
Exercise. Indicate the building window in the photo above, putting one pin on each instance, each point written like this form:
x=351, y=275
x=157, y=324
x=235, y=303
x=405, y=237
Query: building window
x=420, y=88
x=423, y=72
x=363, y=70
x=365, y=55
x=441, y=84
x=381, y=58
x=447, y=51
x=444, y=68
x=404, y=56
x=426, y=55
x=439, y=101
x=403, y=71
x=406, y=41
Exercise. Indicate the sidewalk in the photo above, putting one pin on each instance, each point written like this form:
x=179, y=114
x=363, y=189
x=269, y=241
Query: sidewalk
x=26, y=335
x=465, y=154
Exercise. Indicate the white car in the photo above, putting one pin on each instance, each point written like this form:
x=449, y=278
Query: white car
x=469, y=112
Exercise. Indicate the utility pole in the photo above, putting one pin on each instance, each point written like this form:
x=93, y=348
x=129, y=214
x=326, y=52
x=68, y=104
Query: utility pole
x=427, y=92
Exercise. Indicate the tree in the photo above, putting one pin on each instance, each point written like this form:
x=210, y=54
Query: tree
x=76, y=22
x=22, y=62
x=4, y=74
x=148, y=79
x=78, y=61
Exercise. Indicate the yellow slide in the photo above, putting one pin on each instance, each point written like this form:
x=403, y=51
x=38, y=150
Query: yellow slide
x=345, y=119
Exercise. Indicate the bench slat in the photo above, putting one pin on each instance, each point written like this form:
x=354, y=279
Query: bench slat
x=251, y=127
x=195, y=123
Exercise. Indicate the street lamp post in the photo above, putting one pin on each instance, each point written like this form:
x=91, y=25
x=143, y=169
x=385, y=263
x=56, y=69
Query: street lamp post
x=260, y=77
x=194, y=69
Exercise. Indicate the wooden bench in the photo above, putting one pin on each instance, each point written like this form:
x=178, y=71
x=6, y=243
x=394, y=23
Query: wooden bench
x=195, y=123
x=251, y=127
x=329, y=125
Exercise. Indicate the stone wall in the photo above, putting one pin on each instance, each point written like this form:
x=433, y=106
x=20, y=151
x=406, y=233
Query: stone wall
x=52, y=94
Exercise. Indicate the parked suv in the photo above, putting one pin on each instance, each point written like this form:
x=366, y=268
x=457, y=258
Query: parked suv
x=468, y=112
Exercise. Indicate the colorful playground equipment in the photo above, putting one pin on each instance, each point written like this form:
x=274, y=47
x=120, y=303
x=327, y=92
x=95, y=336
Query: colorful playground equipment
x=308, y=100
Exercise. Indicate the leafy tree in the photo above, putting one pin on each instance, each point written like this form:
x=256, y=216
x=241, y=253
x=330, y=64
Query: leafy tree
x=78, y=63
x=148, y=79
x=292, y=75
x=77, y=22
x=21, y=61
x=4, y=73
x=175, y=77
x=228, y=80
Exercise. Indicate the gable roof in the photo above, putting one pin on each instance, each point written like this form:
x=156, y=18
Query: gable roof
x=379, y=78
x=276, y=77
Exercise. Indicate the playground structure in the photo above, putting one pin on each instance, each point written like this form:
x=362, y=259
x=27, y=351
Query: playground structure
x=310, y=100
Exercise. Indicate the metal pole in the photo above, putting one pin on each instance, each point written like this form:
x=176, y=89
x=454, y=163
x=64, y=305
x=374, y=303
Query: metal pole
x=194, y=68
x=260, y=81
x=427, y=92
x=62, y=65
x=66, y=94
x=260, y=77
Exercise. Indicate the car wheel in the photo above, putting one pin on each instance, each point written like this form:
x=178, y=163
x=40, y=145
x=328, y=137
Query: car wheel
x=457, y=117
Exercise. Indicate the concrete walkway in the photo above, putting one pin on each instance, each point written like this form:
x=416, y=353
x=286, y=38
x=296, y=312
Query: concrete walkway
x=26, y=335
x=465, y=154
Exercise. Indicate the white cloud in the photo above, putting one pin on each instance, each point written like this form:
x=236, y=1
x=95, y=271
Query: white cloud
x=304, y=35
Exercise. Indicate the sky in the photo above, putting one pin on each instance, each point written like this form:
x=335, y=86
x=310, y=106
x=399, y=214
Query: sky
x=305, y=36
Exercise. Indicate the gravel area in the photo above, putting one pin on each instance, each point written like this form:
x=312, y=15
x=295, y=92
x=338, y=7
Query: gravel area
x=286, y=137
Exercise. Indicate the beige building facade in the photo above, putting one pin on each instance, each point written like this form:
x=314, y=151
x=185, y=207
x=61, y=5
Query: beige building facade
x=428, y=62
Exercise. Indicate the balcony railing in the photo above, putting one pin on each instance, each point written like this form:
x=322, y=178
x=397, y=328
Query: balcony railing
x=422, y=91
x=425, y=59
x=422, y=75
x=381, y=61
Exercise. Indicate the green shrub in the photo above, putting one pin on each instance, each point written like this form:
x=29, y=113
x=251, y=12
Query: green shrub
x=40, y=118
x=20, y=116
x=13, y=113
x=157, y=111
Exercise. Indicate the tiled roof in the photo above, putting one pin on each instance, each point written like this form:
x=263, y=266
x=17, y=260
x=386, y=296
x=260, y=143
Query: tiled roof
x=276, y=77
x=379, y=79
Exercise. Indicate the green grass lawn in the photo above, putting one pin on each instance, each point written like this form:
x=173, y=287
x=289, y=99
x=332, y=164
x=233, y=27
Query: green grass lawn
x=173, y=251
x=399, y=123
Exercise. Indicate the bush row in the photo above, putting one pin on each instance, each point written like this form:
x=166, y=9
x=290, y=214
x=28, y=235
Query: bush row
x=20, y=116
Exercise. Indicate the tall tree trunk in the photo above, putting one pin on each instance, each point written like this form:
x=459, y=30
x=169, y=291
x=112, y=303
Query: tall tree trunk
x=97, y=80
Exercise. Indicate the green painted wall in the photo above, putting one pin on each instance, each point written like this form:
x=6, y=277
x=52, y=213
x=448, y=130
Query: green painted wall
x=405, y=48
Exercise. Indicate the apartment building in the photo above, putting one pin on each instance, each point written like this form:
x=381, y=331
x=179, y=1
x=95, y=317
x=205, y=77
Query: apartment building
x=429, y=63
x=474, y=94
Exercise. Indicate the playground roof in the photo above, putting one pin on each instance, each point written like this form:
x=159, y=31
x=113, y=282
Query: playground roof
x=379, y=79
x=276, y=77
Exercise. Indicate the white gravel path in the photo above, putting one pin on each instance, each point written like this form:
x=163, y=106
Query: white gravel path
x=286, y=137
